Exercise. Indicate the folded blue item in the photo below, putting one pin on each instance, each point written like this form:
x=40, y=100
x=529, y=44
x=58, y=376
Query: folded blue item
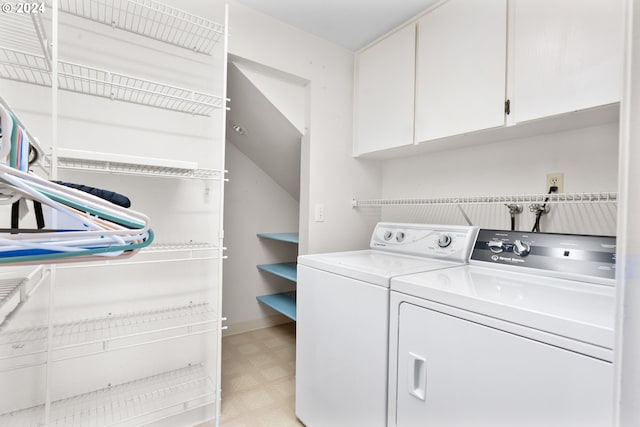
x=110, y=196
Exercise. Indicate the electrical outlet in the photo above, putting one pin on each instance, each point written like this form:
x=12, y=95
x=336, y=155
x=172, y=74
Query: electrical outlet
x=557, y=180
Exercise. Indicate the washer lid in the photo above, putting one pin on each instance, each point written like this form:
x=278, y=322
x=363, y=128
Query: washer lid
x=372, y=266
x=577, y=310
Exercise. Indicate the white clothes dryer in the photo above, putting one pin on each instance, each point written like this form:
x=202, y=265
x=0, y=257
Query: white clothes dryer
x=522, y=336
x=343, y=319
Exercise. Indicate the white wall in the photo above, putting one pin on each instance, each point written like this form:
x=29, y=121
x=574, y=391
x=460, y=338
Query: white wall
x=268, y=138
x=588, y=158
x=287, y=93
x=329, y=175
x=254, y=203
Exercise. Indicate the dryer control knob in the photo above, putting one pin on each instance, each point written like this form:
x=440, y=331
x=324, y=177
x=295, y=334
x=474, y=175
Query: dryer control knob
x=388, y=235
x=495, y=246
x=400, y=236
x=444, y=240
x=521, y=248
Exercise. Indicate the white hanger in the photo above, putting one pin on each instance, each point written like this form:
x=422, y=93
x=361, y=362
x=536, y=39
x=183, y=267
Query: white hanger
x=106, y=230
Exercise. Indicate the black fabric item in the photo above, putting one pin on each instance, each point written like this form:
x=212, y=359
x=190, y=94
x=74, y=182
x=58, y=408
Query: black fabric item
x=110, y=196
x=37, y=209
x=15, y=217
x=33, y=155
x=34, y=230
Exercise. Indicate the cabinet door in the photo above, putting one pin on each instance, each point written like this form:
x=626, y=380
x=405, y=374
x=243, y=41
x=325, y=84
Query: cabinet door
x=385, y=77
x=453, y=372
x=460, y=68
x=567, y=56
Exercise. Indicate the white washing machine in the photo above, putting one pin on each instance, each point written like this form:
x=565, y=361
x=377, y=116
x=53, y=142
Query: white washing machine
x=343, y=319
x=522, y=336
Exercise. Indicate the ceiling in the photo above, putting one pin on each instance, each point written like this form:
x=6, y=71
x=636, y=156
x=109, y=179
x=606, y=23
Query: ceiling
x=349, y=23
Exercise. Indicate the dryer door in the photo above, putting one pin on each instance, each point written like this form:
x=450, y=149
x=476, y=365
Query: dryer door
x=454, y=372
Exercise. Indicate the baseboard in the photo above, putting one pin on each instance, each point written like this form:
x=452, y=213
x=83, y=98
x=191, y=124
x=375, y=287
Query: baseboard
x=252, y=325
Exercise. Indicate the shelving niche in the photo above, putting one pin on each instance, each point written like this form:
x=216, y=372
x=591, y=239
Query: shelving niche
x=282, y=302
x=79, y=330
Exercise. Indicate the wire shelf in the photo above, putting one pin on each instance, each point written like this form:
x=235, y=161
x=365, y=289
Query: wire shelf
x=31, y=68
x=212, y=174
x=134, y=403
x=484, y=200
x=89, y=165
x=159, y=253
x=23, y=32
x=24, y=67
x=179, y=247
x=16, y=288
x=111, y=332
x=150, y=19
x=94, y=81
x=9, y=288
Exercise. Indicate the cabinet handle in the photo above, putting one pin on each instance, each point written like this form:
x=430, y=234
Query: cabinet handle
x=417, y=380
x=507, y=107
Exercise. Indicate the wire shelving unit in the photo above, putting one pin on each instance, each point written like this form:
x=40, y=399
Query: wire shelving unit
x=150, y=19
x=25, y=56
x=26, y=347
x=133, y=403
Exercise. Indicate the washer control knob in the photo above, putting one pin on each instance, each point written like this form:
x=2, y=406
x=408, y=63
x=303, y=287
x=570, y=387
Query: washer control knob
x=495, y=246
x=444, y=240
x=400, y=236
x=388, y=235
x=521, y=248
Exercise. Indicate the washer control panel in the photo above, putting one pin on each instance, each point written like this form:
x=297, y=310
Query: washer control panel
x=449, y=242
x=571, y=254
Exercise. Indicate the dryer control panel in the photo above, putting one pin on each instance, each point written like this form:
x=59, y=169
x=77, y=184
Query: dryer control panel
x=561, y=255
x=450, y=242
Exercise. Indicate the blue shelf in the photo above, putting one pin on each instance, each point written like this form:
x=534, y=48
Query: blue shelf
x=282, y=237
x=284, y=303
x=287, y=270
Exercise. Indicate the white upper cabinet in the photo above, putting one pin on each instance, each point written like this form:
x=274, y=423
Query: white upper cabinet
x=566, y=56
x=461, y=68
x=447, y=75
x=385, y=74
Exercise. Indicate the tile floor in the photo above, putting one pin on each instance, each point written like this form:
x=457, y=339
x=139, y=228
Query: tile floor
x=258, y=378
